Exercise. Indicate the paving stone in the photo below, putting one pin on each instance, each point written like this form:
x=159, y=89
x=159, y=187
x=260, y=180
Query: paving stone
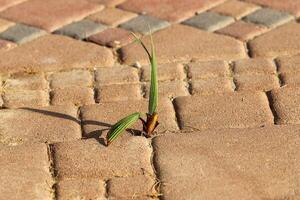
x=172, y=45
x=286, y=105
x=40, y=124
x=25, y=98
x=4, y=24
x=26, y=82
x=268, y=17
x=256, y=82
x=234, y=8
x=112, y=16
x=171, y=71
x=209, y=21
x=289, y=64
x=233, y=110
x=80, y=189
x=242, y=30
x=24, y=172
x=112, y=37
x=72, y=95
x=142, y=23
x=98, y=118
x=81, y=29
x=207, y=70
x=20, y=33
x=231, y=164
x=81, y=78
x=119, y=92
x=108, y=3
x=212, y=86
x=170, y=89
x=163, y=9
x=89, y=159
x=54, y=52
x=116, y=75
x=131, y=187
x=254, y=66
x=292, y=6
x=6, y=45
x=50, y=15
x=276, y=43
x=290, y=79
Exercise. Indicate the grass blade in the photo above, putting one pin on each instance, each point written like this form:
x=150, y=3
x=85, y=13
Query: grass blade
x=121, y=125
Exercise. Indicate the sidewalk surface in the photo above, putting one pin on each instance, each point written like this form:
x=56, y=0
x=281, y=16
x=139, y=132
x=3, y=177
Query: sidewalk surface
x=229, y=99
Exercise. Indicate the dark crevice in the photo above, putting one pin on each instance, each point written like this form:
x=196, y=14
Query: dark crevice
x=52, y=171
x=248, y=49
x=231, y=75
x=271, y=105
x=188, y=79
x=178, y=121
x=277, y=66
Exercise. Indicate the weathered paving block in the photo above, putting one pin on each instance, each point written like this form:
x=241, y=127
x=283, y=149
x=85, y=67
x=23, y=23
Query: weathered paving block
x=90, y=159
x=291, y=6
x=242, y=30
x=256, y=82
x=116, y=75
x=212, y=85
x=4, y=24
x=72, y=95
x=6, y=45
x=54, y=52
x=26, y=82
x=163, y=9
x=290, y=79
x=98, y=118
x=233, y=110
x=286, y=103
x=254, y=66
x=50, y=15
x=209, y=21
x=119, y=92
x=112, y=16
x=276, y=42
x=112, y=37
x=289, y=64
x=170, y=89
x=81, y=189
x=24, y=172
x=4, y=4
x=268, y=17
x=131, y=187
x=141, y=24
x=108, y=3
x=82, y=78
x=234, y=8
x=25, y=98
x=206, y=70
x=20, y=33
x=171, y=71
x=231, y=164
x=172, y=45
x=81, y=29
x=39, y=124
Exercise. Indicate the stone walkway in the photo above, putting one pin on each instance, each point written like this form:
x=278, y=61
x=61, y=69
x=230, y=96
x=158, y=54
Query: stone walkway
x=229, y=106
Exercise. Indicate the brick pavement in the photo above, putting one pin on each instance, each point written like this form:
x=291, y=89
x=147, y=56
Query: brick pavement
x=229, y=96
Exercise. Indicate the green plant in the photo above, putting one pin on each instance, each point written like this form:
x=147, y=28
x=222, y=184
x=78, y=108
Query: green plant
x=151, y=121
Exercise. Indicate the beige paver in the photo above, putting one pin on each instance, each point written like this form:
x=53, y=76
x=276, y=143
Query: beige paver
x=275, y=42
x=233, y=110
x=289, y=64
x=4, y=24
x=25, y=98
x=170, y=89
x=97, y=118
x=45, y=124
x=53, y=52
x=50, y=15
x=131, y=187
x=171, y=71
x=108, y=3
x=256, y=82
x=26, y=82
x=119, y=92
x=24, y=172
x=290, y=79
x=261, y=163
x=254, y=66
x=199, y=45
x=212, y=86
x=81, y=78
x=4, y=4
x=116, y=75
x=80, y=189
x=286, y=103
x=206, y=70
x=90, y=159
x=72, y=95
x=6, y=45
